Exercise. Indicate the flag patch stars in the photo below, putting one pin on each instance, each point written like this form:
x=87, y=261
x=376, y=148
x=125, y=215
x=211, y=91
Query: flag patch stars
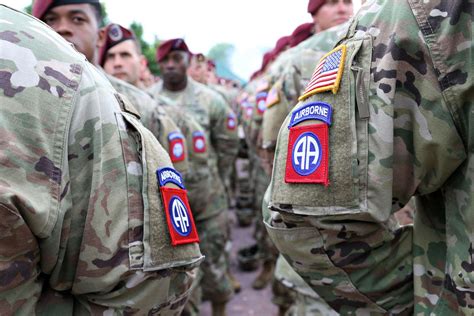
x=328, y=73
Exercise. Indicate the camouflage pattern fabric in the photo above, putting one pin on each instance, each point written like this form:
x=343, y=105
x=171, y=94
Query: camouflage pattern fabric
x=400, y=128
x=296, y=65
x=211, y=111
x=153, y=117
x=73, y=235
x=213, y=114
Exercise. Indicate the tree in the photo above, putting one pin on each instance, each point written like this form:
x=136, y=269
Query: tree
x=28, y=9
x=221, y=53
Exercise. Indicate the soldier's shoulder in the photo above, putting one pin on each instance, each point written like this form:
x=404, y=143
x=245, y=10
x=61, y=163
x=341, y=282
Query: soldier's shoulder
x=207, y=92
x=22, y=30
x=128, y=89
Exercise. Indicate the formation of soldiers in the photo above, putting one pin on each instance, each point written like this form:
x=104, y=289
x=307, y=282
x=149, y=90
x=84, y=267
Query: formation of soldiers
x=350, y=150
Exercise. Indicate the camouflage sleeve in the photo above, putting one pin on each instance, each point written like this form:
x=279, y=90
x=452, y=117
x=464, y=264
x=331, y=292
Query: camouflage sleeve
x=224, y=137
x=396, y=130
x=78, y=199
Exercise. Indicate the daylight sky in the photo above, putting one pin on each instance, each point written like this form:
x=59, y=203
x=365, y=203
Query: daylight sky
x=252, y=26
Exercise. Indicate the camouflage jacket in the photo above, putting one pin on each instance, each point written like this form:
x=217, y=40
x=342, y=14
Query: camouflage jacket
x=83, y=229
x=157, y=121
x=220, y=123
x=294, y=76
x=400, y=127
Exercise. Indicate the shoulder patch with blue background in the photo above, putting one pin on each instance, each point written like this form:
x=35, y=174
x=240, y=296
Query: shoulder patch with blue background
x=169, y=175
x=312, y=111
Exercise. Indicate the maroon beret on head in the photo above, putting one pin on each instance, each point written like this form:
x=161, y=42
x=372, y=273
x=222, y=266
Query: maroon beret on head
x=211, y=64
x=40, y=7
x=115, y=34
x=314, y=5
x=281, y=45
x=267, y=58
x=301, y=33
x=171, y=45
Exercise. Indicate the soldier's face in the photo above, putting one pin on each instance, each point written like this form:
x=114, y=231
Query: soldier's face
x=198, y=70
x=332, y=13
x=173, y=67
x=78, y=24
x=124, y=62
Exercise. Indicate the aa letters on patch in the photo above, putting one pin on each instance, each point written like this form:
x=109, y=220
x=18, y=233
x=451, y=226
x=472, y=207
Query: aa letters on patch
x=178, y=216
x=328, y=73
x=176, y=143
x=199, y=142
x=178, y=213
x=312, y=111
x=308, y=154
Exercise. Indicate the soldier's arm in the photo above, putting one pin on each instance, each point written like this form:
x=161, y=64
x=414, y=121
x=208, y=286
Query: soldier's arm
x=393, y=134
x=224, y=135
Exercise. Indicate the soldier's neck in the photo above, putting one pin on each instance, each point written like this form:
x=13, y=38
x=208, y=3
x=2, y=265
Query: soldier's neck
x=176, y=86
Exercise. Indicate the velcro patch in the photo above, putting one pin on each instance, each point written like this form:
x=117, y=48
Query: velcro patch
x=176, y=143
x=231, y=122
x=199, y=142
x=308, y=154
x=312, y=111
x=328, y=73
x=169, y=175
x=179, y=216
x=272, y=98
x=261, y=102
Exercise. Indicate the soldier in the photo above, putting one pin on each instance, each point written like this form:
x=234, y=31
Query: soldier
x=75, y=191
x=392, y=123
x=78, y=22
x=220, y=124
x=120, y=56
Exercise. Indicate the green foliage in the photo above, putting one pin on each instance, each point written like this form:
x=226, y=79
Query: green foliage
x=28, y=9
x=148, y=50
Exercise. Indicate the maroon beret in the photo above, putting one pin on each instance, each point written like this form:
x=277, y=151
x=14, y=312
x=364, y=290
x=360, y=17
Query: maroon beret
x=211, y=64
x=40, y=7
x=281, y=45
x=171, y=45
x=314, y=5
x=267, y=58
x=199, y=57
x=114, y=34
x=301, y=33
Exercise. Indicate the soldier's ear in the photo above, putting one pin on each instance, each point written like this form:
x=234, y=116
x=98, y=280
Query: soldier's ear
x=102, y=37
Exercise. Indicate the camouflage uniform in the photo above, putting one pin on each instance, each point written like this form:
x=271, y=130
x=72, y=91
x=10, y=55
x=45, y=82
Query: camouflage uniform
x=400, y=127
x=154, y=118
x=220, y=124
x=80, y=224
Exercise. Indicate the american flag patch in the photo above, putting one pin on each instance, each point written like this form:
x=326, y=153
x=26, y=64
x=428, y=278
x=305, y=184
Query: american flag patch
x=328, y=73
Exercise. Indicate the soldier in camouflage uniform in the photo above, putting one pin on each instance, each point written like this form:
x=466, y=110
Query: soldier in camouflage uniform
x=84, y=230
x=220, y=124
x=401, y=106
x=62, y=16
x=120, y=56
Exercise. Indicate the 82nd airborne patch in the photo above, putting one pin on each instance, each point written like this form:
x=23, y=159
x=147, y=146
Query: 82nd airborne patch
x=328, y=73
x=176, y=143
x=199, y=142
x=178, y=213
x=307, y=156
